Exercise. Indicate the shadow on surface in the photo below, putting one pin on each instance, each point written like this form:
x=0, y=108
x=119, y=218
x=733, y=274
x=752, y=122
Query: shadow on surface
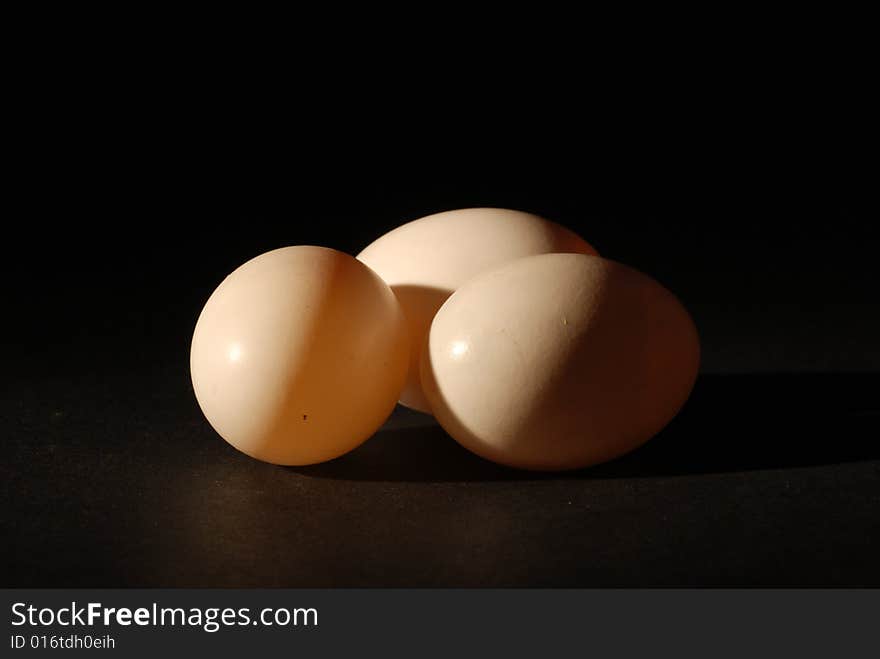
x=731, y=423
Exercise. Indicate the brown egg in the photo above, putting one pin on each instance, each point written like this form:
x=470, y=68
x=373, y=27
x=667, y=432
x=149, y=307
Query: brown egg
x=559, y=361
x=299, y=355
x=427, y=259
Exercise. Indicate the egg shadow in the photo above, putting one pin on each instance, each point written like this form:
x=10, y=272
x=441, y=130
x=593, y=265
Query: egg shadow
x=731, y=423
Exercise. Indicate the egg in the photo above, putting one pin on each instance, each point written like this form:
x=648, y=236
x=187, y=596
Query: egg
x=299, y=355
x=559, y=361
x=426, y=260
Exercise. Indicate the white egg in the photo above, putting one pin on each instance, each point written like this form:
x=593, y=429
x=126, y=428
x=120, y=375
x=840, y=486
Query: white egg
x=559, y=361
x=426, y=260
x=299, y=355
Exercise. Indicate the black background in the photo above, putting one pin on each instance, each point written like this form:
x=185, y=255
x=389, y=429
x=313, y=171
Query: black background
x=760, y=216
x=752, y=197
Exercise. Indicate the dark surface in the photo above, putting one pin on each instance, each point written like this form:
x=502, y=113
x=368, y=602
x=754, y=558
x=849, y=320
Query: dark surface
x=117, y=480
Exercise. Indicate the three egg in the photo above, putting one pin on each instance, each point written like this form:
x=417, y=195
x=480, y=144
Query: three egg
x=529, y=349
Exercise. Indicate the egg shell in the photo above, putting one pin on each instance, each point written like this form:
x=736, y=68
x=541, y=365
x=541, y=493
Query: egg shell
x=426, y=260
x=299, y=355
x=559, y=361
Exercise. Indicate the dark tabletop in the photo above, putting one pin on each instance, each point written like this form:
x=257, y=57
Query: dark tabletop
x=118, y=480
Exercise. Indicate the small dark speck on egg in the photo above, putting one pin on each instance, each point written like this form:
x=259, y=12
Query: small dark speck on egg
x=305, y=417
